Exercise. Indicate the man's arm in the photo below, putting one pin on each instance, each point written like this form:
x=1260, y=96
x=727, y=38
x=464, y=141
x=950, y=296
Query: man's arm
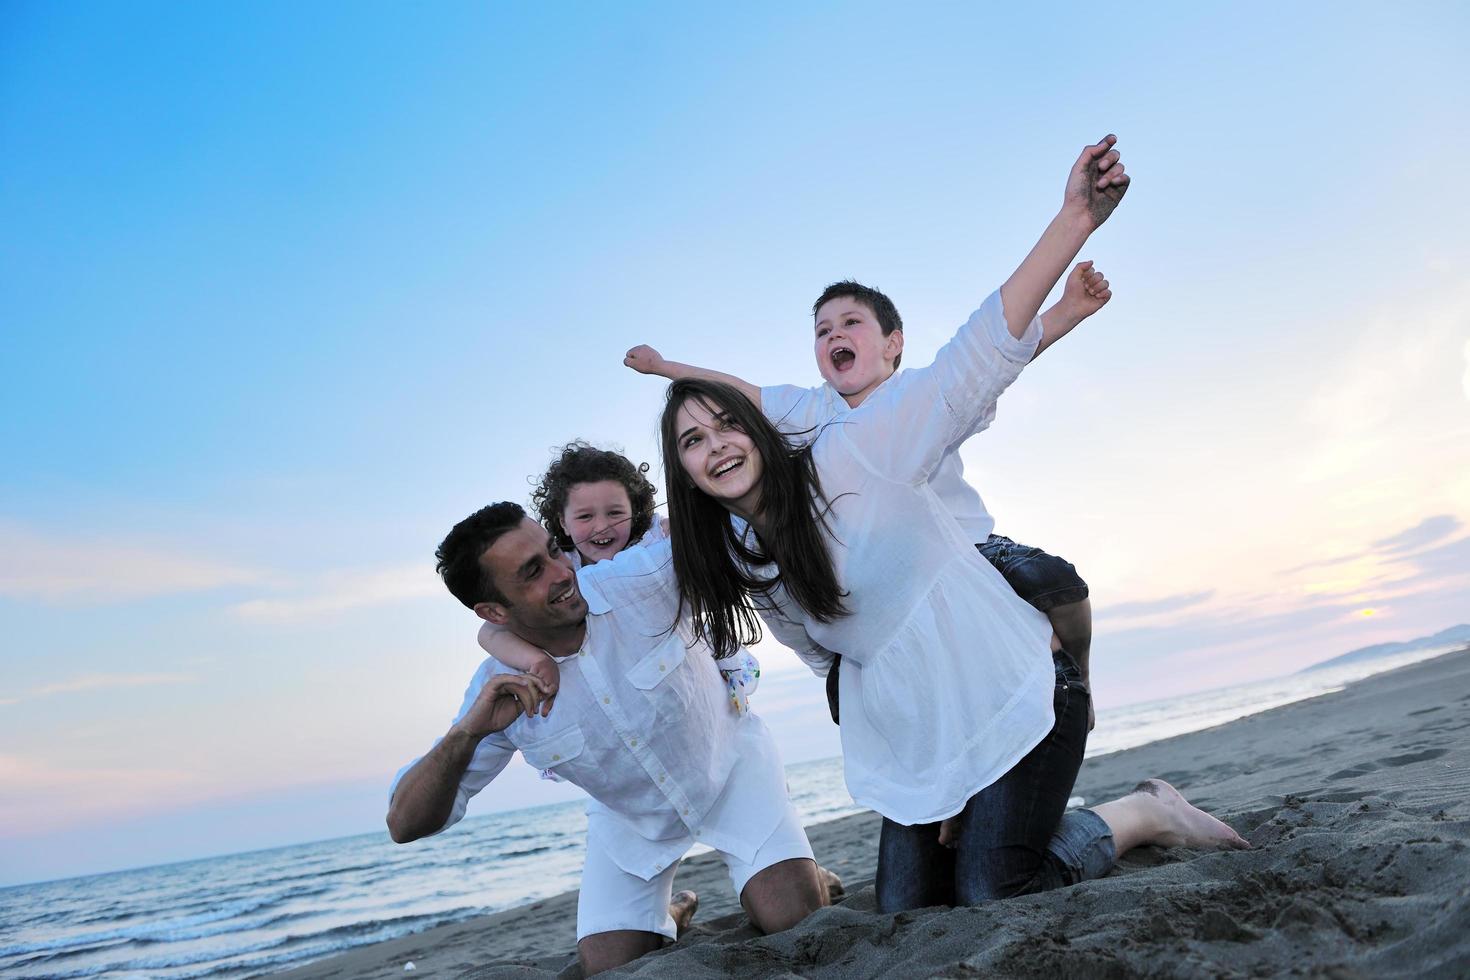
x=425, y=796
x=1094, y=188
x=646, y=360
x=1086, y=292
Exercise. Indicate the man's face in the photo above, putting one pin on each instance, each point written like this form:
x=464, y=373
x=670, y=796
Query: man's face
x=531, y=571
x=852, y=354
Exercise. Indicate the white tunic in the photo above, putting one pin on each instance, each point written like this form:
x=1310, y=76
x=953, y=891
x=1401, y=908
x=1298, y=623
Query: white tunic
x=645, y=726
x=801, y=413
x=947, y=675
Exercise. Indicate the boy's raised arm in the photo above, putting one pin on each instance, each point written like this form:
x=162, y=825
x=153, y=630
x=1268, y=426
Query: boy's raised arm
x=1085, y=293
x=646, y=360
x=1094, y=187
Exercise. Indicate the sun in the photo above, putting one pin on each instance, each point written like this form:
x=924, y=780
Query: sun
x=1366, y=613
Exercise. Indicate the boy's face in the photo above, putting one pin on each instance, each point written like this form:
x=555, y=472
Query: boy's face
x=852, y=354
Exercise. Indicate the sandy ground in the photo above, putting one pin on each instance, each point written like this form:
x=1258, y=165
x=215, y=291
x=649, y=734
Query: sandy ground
x=1358, y=804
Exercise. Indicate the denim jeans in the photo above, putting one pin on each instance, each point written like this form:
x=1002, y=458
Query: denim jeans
x=1016, y=836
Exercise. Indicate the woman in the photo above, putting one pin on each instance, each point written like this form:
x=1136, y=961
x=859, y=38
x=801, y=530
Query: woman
x=955, y=701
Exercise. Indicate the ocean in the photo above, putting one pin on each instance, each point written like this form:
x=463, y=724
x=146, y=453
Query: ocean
x=246, y=915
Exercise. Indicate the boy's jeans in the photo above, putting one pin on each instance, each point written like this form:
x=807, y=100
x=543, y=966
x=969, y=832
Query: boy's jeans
x=1015, y=836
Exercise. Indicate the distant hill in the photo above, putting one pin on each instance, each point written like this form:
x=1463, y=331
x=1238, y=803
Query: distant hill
x=1444, y=638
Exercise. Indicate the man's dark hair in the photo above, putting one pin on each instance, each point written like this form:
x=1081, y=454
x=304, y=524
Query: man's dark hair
x=459, y=553
x=583, y=463
x=881, y=306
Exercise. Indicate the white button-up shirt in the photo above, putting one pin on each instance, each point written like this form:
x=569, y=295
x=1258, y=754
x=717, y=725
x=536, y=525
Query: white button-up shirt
x=644, y=724
x=947, y=675
x=802, y=412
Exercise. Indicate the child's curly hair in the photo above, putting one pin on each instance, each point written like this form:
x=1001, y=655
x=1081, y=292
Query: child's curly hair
x=581, y=462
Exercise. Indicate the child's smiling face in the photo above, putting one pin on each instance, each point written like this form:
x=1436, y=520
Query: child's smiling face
x=598, y=518
x=852, y=354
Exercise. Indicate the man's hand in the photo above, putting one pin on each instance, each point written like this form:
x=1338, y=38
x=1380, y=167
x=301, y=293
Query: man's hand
x=1085, y=292
x=1096, y=184
x=502, y=700
x=645, y=360
x=548, y=673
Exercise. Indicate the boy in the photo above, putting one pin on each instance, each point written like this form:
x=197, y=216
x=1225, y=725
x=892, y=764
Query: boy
x=858, y=346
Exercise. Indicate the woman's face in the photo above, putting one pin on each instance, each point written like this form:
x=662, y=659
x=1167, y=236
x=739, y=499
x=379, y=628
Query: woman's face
x=720, y=459
x=599, y=518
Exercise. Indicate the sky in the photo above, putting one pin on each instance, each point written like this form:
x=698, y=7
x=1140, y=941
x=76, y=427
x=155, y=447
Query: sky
x=287, y=290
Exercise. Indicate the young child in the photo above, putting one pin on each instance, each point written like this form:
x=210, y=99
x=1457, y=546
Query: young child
x=596, y=503
x=858, y=346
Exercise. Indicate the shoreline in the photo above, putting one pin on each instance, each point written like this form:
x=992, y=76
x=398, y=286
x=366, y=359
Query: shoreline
x=1267, y=774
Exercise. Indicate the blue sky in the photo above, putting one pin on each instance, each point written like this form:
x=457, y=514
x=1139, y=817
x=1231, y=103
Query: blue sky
x=286, y=291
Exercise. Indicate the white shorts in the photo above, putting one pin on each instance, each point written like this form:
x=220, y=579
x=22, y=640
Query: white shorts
x=613, y=899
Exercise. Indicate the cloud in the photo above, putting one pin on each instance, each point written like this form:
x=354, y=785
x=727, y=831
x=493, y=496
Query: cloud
x=1465, y=381
x=339, y=592
x=1450, y=559
x=43, y=795
x=54, y=568
x=1426, y=532
x=101, y=682
x=95, y=682
x=1150, y=607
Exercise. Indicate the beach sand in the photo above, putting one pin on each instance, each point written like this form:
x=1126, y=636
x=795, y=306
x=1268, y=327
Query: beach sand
x=1357, y=804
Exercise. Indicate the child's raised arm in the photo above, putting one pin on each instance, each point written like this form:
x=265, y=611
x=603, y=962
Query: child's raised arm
x=1094, y=188
x=512, y=651
x=1086, y=292
x=646, y=360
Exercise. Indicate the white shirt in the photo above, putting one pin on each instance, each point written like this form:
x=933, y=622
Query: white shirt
x=644, y=724
x=947, y=675
x=801, y=413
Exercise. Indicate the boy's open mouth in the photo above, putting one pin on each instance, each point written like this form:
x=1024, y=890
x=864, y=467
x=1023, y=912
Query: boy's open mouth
x=842, y=358
x=570, y=591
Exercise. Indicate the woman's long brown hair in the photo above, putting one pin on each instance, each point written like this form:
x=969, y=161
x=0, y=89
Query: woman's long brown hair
x=710, y=558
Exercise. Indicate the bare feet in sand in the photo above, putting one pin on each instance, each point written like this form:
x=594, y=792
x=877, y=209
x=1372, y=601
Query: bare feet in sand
x=1182, y=824
x=682, y=907
x=835, y=889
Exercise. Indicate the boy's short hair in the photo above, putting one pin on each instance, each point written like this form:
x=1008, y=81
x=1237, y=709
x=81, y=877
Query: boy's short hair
x=881, y=306
x=459, y=553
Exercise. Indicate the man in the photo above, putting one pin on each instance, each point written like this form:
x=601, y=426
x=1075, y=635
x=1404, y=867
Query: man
x=643, y=722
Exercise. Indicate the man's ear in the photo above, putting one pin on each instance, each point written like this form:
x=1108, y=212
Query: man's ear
x=492, y=612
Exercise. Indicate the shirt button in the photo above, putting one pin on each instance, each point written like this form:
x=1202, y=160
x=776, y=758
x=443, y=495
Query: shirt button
x=556, y=758
x=607, y=700
x=660, y=666
x=658, y=867
x=686, y=811
x=663, y=776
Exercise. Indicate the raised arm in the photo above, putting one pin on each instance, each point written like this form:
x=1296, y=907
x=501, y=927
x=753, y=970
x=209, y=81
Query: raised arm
x=646, y=360
x=1085, y=293
x=1094, y=187
x=425, y=798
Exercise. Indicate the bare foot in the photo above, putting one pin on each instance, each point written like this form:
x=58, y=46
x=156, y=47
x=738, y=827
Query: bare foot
x=1185, y=825
x=949, y=831
x=682, y=907
x=835, y=888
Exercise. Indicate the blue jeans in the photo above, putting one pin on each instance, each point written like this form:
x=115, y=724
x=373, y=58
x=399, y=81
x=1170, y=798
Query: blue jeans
x=1016, y=836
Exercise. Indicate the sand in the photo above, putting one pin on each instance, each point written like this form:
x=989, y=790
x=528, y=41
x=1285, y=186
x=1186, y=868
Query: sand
x=1357, y=804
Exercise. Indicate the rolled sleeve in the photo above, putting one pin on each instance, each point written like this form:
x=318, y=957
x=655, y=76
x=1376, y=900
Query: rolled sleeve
x=936, y=407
